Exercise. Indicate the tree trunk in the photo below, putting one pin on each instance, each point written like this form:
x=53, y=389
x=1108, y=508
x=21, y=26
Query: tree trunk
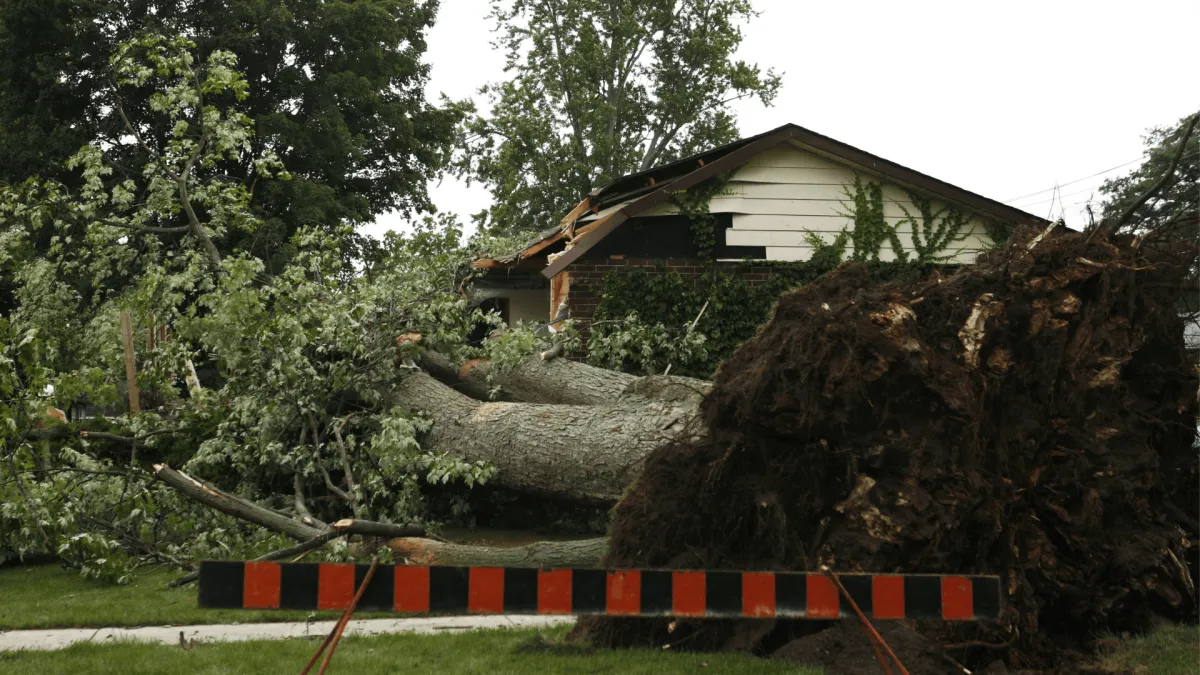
x=578, y=453
x=553, y=381
x=557, y=380
x=582, y=553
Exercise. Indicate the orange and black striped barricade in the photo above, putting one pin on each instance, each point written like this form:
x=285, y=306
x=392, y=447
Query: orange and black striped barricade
x=615, y=592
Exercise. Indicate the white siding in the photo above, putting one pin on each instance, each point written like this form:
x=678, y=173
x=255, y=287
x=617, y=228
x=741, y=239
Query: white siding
x=524, y=304
x=784, y=193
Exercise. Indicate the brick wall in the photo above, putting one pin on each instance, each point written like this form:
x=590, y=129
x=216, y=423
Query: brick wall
x=587, y=279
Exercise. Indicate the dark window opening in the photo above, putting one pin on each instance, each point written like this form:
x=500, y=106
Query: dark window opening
x=499, y=306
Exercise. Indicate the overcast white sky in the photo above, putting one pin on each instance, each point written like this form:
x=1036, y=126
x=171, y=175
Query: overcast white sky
x=1003, y=98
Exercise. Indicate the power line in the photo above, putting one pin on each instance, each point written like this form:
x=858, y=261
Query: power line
x=1077, y=180
x=1062, y=185
x=1055, y=196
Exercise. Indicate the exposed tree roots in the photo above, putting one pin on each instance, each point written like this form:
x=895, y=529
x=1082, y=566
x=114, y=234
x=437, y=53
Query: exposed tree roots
x=1032, y=416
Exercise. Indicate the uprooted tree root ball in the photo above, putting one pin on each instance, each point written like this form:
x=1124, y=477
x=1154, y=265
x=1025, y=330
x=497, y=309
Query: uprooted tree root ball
x=1031, y=416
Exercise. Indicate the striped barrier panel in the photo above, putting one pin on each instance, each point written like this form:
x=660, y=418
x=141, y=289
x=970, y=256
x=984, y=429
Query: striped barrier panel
x=683, y=593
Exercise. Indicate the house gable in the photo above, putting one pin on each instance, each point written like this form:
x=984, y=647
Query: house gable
x=607, y=208
x=781, y=196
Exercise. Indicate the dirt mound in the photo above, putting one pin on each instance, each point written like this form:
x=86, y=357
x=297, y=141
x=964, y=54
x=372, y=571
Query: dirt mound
x=844, y=650
x=1031, y=416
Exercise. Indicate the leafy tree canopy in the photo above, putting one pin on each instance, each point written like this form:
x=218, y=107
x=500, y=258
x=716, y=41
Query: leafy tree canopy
x=300, y=367
x=337, y=93
x=1179, y=199
x=599, y=89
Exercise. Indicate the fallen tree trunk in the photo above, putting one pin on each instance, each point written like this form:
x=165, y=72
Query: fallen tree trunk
x=537, y=380
x=553, y=381
x=578, y=453
x=581, y=553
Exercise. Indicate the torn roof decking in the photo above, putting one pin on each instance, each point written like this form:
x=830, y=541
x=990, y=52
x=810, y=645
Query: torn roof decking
x=606, y=208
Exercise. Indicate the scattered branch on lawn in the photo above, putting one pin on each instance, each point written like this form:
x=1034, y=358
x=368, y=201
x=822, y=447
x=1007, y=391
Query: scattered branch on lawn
x=303, y=547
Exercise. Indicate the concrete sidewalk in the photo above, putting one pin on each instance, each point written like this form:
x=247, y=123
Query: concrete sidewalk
x=173, y=635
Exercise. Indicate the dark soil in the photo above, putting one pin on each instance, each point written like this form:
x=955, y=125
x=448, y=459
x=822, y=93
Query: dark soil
x=845, y=650
x=1031, y=416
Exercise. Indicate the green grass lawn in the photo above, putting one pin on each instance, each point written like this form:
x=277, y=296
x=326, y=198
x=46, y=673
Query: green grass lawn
x=1171, y=650
x=481, y=652
x=51, y=597
x=48, y=596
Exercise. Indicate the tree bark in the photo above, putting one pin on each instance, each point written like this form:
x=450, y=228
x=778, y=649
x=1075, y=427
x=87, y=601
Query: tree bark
x=554, y=381
x=535, y=380
x=234, y=506
x=582, y=553
x=371, y=528
x=578, y=453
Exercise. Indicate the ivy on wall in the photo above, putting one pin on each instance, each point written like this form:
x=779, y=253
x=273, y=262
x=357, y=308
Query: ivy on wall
x=932, y=231
x=735, y=307
x=730, y=310
x=869, y=228
x=937, y=229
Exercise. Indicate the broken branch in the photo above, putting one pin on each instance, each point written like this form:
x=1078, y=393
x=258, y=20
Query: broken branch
x=303, y=547
x=237, y=507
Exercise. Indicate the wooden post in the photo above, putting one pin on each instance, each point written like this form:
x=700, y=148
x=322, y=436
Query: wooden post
x=130, y=365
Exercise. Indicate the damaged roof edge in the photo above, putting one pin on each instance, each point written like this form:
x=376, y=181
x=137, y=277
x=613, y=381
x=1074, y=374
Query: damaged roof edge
x=679, y=175
x=602, y=228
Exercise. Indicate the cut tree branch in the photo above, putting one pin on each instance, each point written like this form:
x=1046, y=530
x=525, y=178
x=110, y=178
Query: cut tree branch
x=338, y=529
x=237, y=507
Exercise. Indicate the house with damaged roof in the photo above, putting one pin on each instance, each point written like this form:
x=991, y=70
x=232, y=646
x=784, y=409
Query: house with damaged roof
x=781, y=196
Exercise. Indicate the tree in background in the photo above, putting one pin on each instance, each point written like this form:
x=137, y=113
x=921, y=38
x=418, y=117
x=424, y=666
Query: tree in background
x=1178, y=201
x=1170, y=219
x=599, y=89
x=337, y=93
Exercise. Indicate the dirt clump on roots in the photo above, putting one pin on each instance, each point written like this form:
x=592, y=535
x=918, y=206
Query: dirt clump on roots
x=843, y=649
x=1031, y=416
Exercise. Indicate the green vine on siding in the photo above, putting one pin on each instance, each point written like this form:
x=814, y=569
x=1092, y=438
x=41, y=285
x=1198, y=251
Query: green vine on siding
x=937, y=229
x=869, y=229
x=693, y=204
